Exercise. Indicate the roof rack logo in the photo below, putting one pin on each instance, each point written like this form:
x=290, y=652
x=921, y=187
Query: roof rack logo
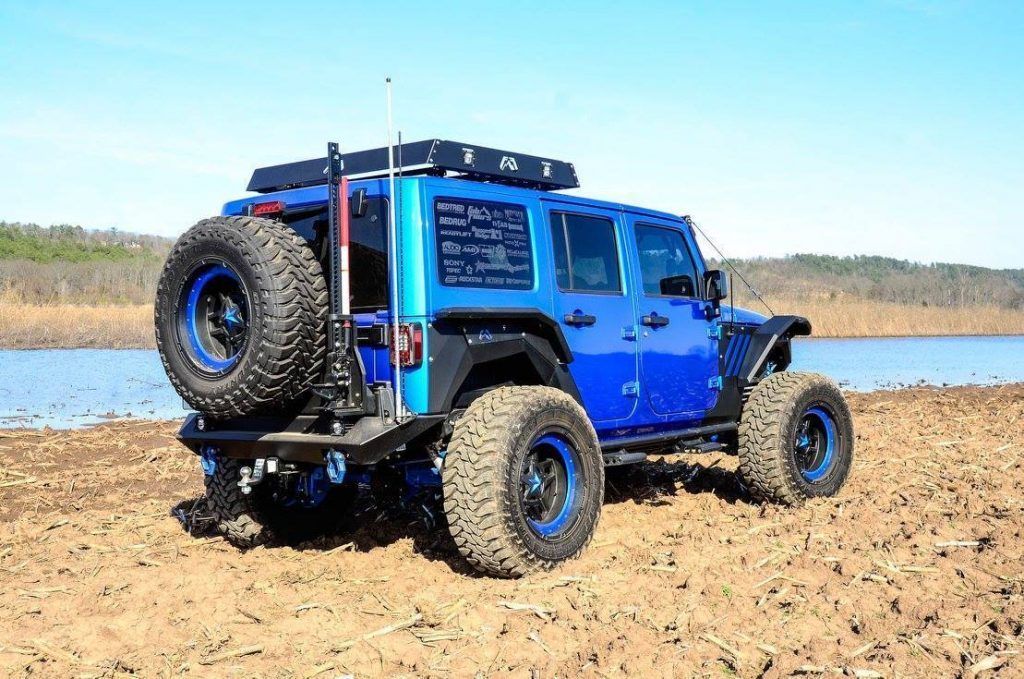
x=508, y=163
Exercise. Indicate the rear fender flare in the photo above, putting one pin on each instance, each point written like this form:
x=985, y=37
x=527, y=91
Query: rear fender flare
x=461, y=339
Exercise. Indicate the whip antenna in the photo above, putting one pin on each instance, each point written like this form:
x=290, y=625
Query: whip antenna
x=395, y=293
x=755, y=293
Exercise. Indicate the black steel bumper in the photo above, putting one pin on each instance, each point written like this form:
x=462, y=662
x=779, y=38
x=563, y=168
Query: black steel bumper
x=369, y=440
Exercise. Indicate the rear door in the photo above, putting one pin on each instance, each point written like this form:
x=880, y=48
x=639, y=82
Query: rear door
x=594, y=305
x=678, y=357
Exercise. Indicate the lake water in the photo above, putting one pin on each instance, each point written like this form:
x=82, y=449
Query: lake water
x=76, y=387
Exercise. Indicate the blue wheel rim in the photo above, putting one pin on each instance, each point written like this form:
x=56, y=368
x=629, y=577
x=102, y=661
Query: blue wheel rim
x=549, y=487
x=816, y=443
x=214, y=318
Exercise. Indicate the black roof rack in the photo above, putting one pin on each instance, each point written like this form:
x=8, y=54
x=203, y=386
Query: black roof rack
x=431, y=156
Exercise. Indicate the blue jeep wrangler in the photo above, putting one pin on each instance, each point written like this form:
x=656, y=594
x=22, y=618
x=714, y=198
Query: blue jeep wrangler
x=445, y=321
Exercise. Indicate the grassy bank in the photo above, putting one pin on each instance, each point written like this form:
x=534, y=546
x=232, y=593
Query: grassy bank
x=62, y=326
x=64, y=286
x=24, y=326
x=859, y=318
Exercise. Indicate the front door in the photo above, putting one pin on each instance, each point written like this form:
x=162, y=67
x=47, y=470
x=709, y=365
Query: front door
x=678, y=357
x=594, y=306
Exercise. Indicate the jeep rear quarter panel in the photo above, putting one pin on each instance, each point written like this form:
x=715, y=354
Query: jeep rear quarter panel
x=606, y=366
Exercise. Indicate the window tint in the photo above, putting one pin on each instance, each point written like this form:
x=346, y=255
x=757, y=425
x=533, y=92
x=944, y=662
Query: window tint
x=586, y=259
x=369, y=250
x=665, y=262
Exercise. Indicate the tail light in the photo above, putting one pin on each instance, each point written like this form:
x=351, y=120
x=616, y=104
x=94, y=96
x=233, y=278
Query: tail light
x=274, y=207
x=410, y=345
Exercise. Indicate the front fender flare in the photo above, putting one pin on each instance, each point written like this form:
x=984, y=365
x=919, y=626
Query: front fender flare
x=773, y=332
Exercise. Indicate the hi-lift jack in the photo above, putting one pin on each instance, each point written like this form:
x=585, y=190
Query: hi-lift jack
x=343, y=388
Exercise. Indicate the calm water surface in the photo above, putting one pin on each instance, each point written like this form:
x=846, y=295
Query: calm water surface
x=77, y=387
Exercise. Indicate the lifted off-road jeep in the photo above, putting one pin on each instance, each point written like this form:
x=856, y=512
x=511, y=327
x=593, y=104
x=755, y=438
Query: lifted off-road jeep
x=461, y=327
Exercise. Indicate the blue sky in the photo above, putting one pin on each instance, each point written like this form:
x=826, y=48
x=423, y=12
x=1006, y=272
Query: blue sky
x=892, y=128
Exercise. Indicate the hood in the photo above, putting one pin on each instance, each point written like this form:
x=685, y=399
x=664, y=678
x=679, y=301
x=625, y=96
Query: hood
x=741, y=315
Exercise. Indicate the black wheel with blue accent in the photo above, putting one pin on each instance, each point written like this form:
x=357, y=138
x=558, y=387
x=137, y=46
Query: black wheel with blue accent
x=549, y=485
x=523, y=481
x=795, y=438
x=214, y=322
x=241, y=312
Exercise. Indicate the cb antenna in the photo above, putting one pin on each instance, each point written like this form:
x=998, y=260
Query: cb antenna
x=396, y=297
x=689, y=220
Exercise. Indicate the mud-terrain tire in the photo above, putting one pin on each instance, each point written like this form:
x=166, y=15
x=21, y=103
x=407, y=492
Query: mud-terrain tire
x=795, y=438
x=523, y=481
x=258, y=519
x=241, y=308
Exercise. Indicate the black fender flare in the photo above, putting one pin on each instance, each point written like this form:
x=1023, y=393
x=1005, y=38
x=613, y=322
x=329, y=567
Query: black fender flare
x=776, y=331
x=462, y=338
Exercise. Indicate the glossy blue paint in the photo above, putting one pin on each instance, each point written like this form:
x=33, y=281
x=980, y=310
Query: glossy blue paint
x=678, y=360
x=605, y=361
x=630, y=383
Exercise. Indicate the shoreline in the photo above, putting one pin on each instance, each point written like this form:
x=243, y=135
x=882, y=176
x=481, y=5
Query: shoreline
x=113, y=420
x=130, y=326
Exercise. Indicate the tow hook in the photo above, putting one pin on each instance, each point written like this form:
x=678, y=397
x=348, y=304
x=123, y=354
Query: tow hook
x=208, y=460
x=253, y=475
x=335, y=466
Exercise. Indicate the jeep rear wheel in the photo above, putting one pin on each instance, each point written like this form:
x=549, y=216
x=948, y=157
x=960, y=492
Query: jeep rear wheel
x=523, y=481
x=795, y=438
x=240, y=313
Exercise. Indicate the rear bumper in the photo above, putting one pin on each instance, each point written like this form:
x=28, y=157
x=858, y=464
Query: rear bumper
x=367, y=441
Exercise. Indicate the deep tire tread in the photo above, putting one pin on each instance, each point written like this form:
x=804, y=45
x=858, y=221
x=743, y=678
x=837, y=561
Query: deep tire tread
x=476, y=498
x=290, y=347
x=764, y=455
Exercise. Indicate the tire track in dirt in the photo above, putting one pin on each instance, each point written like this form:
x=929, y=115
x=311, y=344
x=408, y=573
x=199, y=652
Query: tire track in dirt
x=917, y=569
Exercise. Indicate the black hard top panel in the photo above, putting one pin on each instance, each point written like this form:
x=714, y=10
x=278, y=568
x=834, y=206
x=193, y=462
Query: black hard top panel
x=431, y=156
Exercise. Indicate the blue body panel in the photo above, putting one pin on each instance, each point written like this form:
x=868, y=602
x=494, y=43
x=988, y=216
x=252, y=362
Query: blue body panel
x=632, y=379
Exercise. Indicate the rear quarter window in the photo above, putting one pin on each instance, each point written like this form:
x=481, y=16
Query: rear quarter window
x=483, y=244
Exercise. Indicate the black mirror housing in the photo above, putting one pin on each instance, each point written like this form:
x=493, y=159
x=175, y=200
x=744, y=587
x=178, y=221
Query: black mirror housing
x=678, y=286
x=716, y=285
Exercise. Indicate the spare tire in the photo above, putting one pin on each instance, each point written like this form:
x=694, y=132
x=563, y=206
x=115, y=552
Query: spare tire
x=241, y=310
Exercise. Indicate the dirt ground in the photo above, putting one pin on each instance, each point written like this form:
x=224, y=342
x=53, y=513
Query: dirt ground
x=916, y=570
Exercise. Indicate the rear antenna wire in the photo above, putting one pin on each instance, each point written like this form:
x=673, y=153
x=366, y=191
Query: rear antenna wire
x=689, y=220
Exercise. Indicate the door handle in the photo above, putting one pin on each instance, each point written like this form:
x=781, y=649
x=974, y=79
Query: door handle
x=655, y=321
x=579, y=319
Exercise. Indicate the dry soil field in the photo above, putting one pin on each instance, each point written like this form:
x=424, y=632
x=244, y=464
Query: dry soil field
x=916, y=570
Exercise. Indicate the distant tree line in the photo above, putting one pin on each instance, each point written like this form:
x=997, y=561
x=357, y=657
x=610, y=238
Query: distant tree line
x=70, y=264
x=882, y=279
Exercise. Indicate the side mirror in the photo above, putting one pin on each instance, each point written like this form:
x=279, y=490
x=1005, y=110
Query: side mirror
x=678, y=286
x=716, y=285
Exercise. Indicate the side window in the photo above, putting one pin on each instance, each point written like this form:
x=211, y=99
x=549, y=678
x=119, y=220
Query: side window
x=665, y=263
x=483, y=244
x=586, y=259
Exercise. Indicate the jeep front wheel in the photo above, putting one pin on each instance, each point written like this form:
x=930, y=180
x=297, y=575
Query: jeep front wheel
x=795, y=438
x=523, y=481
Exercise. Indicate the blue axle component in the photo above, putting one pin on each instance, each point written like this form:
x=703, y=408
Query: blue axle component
x=335, y=467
